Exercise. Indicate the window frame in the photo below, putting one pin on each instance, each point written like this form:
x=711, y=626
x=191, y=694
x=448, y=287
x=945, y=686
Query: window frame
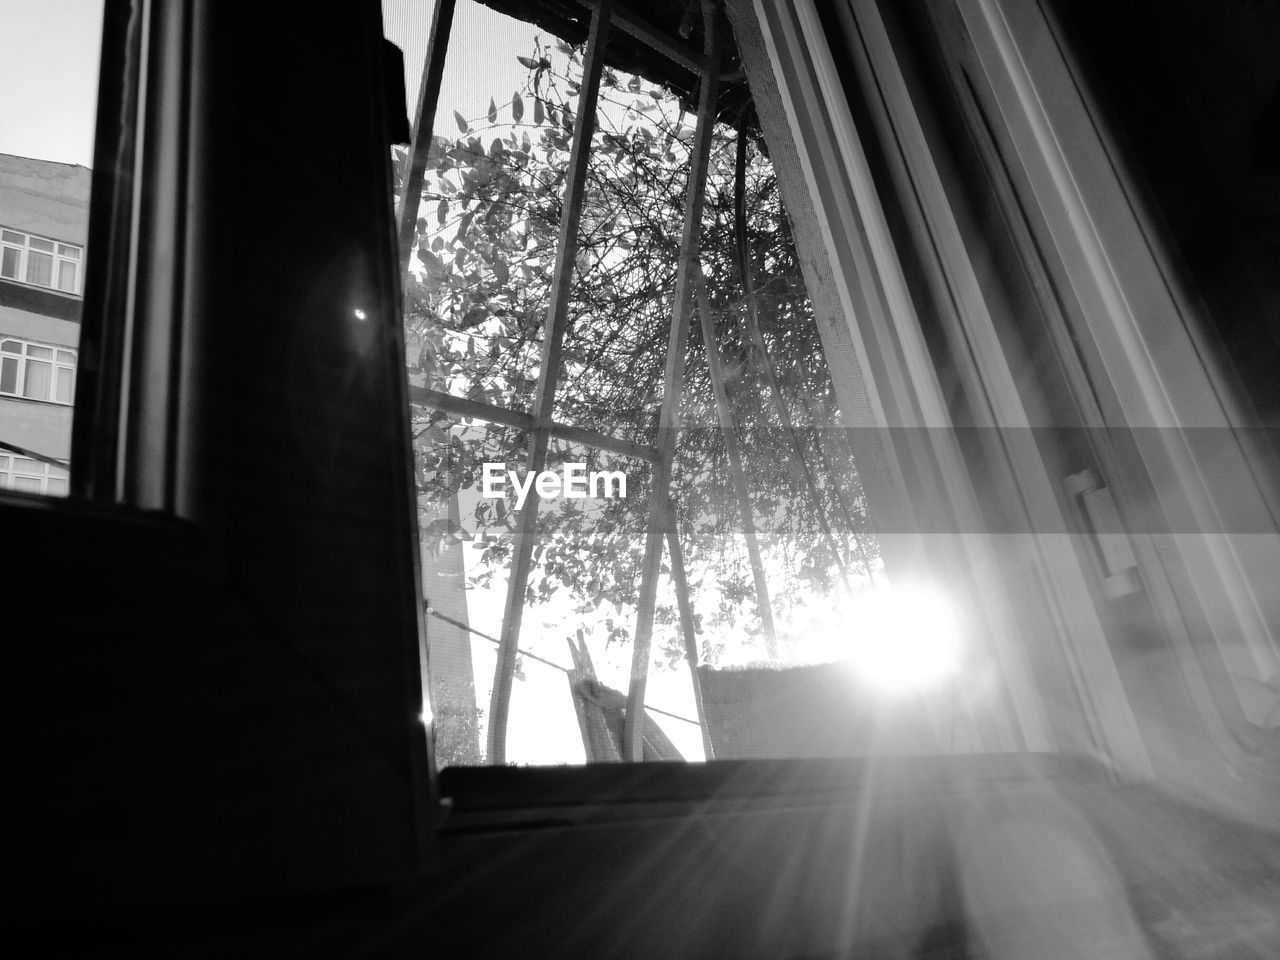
x=47, y=474
x=324, y=641
x=59, y=368
x=58, y=258
x=1210, y=563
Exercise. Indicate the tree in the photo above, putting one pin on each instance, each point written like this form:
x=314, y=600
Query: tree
x=487, y=245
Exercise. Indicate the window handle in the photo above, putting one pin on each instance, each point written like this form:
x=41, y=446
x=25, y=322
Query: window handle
x=1109, y=544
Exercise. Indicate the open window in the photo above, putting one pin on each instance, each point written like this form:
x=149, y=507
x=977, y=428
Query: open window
x=563, y=282
x=823, y=581
x=964, y=414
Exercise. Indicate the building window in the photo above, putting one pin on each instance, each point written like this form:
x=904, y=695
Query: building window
x=32, y=476
x=40, y=261
x=37, y=371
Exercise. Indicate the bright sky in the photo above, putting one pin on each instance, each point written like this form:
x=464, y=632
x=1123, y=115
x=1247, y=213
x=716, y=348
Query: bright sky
x=49, y=51
x=482, y=56
x=49, y=55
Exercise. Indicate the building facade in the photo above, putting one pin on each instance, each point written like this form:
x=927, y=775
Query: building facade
x=44, y=214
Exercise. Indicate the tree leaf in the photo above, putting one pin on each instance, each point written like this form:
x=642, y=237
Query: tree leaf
x=538, y=115
x=442, y=212
x=462, y=122
x=528, y=62
x=517, y=107
x=429, y=260
x=493, y=111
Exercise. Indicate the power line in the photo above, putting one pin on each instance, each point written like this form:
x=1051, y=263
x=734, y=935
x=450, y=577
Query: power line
x=533, y=656
x=520, y=650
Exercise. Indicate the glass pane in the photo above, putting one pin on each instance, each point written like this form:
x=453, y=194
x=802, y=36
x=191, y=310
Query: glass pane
x=39, y=353
x=28, y=466
x=28, y=484
x=49, y=61
x=67, y=276
x=40, y=269
x=36, y=384
x=63, y=390
x=488, y=227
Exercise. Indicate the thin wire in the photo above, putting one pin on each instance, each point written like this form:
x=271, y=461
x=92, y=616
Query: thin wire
x=520, y=650
x=533, y=656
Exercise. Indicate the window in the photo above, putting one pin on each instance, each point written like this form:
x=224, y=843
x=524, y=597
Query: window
x=40, y=261
x=32, y=476
x=768, y=502
x=36, y=371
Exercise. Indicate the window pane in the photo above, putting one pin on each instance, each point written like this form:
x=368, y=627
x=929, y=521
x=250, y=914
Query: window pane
x=11, y=346
x=38, y=244
x=9, y=375
x=64, y=391
x=36, y=384
x=9, y=263
x=66, y=276
x=66, y=251
x=40, y=269
x=39, y=353
x=29, y=484
x=480, y=288
x=11, y=237
x=66, y=356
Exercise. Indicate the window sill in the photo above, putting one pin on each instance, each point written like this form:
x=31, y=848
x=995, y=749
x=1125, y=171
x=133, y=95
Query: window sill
x=476, y=799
